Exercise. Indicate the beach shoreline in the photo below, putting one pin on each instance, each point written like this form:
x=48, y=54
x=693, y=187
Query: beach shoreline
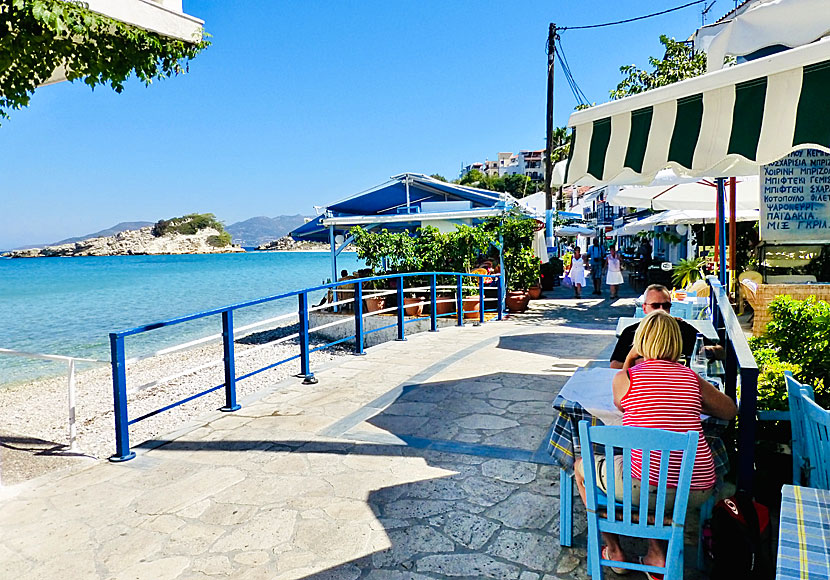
x=36, y=412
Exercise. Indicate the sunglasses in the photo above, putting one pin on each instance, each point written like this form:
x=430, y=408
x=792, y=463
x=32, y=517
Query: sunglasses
x=662, y=305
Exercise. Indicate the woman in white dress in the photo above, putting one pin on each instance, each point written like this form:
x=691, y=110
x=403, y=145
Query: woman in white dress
x=577, y=272
x=614, y=277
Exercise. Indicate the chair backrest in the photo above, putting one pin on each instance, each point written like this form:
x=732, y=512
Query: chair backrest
x=817, y=430
x=801, y=462
x=656, y=445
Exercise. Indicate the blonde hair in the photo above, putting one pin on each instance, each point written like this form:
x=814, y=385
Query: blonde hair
x=658, y=337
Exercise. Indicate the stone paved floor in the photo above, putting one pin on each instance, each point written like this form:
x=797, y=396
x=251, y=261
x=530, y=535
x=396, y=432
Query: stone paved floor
x=422, y=459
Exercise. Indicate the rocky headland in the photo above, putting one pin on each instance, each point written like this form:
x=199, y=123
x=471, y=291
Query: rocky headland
x=287, y=244
x=136, y=242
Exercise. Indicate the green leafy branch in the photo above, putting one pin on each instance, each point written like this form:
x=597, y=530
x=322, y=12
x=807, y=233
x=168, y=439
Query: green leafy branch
x=39, y=36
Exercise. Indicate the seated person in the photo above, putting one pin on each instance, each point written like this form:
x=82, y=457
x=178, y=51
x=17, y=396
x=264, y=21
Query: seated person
x=663, y=394
x=658, y=297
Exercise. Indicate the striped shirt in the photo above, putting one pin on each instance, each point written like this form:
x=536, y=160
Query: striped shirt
x=666, y=395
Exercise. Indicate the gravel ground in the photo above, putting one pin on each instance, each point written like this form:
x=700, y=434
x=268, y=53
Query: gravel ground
x=34, y=432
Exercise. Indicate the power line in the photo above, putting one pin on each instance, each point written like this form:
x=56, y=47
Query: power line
x=566, y=66
x=632, y=19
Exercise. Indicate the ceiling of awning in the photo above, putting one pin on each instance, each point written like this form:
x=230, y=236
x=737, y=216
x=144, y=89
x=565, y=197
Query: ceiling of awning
x=697, y=195
x=722, y=124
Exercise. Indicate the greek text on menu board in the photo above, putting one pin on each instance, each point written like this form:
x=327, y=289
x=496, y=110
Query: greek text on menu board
x=795, y=198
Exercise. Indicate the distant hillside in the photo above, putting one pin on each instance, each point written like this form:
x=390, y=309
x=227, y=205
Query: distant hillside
x=261, y=230
x=116, y=229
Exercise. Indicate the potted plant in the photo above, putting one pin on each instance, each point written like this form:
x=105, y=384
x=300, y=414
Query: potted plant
x=522, y=272
x=687, y=272
x=551, y=273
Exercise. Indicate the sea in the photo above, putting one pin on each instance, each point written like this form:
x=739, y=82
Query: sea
x=68, y=306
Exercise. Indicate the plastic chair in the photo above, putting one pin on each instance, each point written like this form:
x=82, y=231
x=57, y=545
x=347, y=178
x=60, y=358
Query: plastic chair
x=801, y=461
x=817, y=431
x=641, y=521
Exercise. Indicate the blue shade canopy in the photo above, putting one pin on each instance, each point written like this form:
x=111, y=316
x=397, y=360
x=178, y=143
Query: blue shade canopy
x=390, y=199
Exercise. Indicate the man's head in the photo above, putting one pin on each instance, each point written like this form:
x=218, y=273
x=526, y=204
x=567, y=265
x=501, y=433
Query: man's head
x=657, y=297
x=596, y=241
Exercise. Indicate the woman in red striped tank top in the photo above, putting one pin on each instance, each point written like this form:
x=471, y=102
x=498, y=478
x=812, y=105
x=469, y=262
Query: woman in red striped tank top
x=662, y=394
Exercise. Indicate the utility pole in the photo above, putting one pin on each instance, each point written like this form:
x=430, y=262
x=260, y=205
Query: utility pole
x=549, y=134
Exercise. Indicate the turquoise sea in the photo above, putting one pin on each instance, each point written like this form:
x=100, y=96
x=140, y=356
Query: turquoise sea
x=68, y=306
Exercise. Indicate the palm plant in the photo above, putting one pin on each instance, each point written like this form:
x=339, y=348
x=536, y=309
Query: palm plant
x=688, y=272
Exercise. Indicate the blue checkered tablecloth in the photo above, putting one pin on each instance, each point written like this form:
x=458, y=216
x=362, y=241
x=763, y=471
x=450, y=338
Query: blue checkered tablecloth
x=804, y=534
x=564, y=435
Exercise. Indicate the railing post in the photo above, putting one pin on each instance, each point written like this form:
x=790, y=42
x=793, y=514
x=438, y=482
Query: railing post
x=499, y=305
x=73, y=429
x=230, y=363
x=119, y=395
x=459, y=301
x=305, y=363
x=433, y=312
x=358, y=318
x=746, y=432
x=400, y=309
x=481, y=299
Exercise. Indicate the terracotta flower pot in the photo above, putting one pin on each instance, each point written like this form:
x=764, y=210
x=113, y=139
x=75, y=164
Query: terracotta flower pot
x=374, y=303
x=470, y=307
x=535, y=292
x=444, y=305
x=517, y=300
x=412, y=306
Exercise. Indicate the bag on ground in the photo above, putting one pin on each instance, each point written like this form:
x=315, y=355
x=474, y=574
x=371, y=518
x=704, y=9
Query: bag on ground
x=740, y=544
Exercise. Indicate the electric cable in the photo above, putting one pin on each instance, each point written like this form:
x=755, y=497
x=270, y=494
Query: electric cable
x=567, y=66
x=632, y=19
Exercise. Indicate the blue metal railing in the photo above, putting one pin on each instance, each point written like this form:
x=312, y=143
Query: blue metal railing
x=117, y=343
x=739, y=363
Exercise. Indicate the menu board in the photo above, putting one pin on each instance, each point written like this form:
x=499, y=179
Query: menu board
x=795, y=198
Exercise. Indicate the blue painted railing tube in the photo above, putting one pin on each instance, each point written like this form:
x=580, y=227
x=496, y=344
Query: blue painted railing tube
x=230, y=363
x=459, y=301
x=119, y=395
x=746, y=432
x=305, y=364
x=433, y=311
x=499, y=304
x=481, y=299
x=358, y=318
x=400, y=308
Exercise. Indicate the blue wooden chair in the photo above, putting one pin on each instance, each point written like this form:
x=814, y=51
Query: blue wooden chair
x=817, y=436
x=801, y=463
x=624, y=518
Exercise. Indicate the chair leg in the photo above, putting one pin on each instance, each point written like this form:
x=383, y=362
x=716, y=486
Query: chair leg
x=594, y=543
x=566, y=498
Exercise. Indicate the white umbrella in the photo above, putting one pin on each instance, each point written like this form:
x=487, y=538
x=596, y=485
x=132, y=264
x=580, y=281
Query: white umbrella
x=676, y=217
x=697, y=195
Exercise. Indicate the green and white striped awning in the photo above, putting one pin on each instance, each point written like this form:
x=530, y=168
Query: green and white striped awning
x=722, y=124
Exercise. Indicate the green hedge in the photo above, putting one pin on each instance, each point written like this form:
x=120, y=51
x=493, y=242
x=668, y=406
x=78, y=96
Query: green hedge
x=188, y=224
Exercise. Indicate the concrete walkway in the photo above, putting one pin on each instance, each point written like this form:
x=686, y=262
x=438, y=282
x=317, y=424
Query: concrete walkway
x=422, y=459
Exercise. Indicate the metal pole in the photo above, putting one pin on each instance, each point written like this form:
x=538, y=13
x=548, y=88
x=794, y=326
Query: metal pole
x=499, y=309
x=433, y=312
x=305, y=362
x=333, y=246
x=733, y=236
x=407, y=192
x=400, y=309
x=481, y=299
x=358, y=318
x=73, y=430
x=459, y=301
x=119, y=396
x=549, y=133
x=721, y=231
x=230, y=363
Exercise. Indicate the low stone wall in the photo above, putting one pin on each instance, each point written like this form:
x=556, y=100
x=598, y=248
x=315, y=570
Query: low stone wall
x=346, y=329
x=766, y=293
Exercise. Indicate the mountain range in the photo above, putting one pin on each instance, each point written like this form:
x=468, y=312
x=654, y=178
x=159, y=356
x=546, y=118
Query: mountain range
x=251, y=232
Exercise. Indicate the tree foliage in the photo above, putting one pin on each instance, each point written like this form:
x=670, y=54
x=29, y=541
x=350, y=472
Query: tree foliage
x=516, y=185
x=39, y=36
x=189, y=225
x=678, y=63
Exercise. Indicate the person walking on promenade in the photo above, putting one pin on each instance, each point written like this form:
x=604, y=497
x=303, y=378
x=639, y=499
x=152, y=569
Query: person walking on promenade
x=597, y=254
x=577, y=272
x=614, y=277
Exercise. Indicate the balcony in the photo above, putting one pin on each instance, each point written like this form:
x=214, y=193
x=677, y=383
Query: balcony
x=166, y=17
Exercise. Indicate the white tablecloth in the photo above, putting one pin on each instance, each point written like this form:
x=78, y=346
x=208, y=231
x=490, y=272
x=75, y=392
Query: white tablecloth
x=591, y=388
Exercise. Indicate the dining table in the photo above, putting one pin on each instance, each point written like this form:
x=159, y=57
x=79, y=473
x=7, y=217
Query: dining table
x=705, y=327
x=588, y=396
x=803, y=534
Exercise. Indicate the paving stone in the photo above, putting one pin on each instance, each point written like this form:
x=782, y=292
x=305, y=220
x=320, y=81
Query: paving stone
x=534, y=551
x=567, y=564
x=479, y=421
x=213, y=565
x=509, y=471
x=528, y=576
x=227, y=514
x=252, y=558
x=437, y=429
x=469, y=530
x=443, y=489
x=266, y=529
x=395, y=575
x=192, y=539
x=331, y=540
x=413, y=409
x=523, y=510
x=162, y=569
x=485, y=491
x=410, y=541
x=347, y=572
x=188, y=490
x=517, y=438
x=516, y=394
x=420, y=508
x=398, y=424
x=467, y=565
x=532, y=408
x=425, y=394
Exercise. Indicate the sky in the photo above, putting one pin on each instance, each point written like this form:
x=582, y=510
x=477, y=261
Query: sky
x=297, y=104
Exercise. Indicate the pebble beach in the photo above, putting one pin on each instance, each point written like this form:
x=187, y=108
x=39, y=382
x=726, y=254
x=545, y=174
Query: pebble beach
x=34, y=432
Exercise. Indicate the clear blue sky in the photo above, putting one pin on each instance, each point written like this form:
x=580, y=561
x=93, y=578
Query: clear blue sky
x=301, y=103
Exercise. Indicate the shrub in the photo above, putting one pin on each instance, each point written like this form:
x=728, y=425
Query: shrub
x=188, y=224
x=522, y=267
x=220, y=241
x=772, y=390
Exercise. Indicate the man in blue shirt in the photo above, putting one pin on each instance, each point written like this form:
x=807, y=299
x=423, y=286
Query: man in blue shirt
x=597, y=255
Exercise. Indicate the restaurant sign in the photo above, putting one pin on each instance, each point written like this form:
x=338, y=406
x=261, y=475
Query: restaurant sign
x=795, y=198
